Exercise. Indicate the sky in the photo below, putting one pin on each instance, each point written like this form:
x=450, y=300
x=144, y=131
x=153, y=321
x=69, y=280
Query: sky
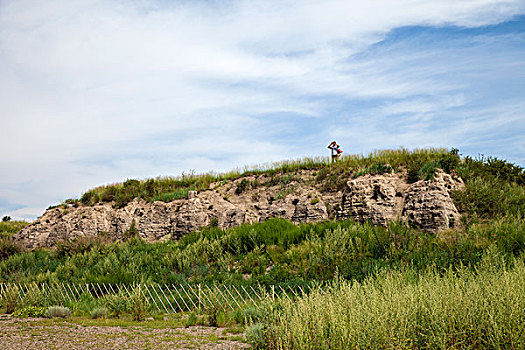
x=97, y=92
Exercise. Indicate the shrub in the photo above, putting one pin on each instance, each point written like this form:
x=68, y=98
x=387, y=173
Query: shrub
x=8, y=228
x=99, y=312
x=82, y=244
x=116, y=304
x=34, y=297
x=131, y=232
x=6, y=218
x=242, y=186
x=58, y=311
x=251, y=315
x=427, y=171
x=8, y=247
x=494, y=168
x=30, y=311
x=255, y=335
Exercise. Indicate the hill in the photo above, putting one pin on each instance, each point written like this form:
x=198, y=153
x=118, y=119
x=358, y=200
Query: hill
x=415, y=187
x=490, y=202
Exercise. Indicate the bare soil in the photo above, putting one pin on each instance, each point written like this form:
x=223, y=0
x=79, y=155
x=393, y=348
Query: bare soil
x=29, y=334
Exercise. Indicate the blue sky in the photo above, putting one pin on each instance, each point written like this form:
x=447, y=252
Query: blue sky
x=95, y=92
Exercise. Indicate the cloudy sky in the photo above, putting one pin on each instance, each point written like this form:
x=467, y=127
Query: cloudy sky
x=95, y=92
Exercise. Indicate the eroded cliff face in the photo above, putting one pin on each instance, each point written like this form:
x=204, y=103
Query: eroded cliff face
x=375, y=198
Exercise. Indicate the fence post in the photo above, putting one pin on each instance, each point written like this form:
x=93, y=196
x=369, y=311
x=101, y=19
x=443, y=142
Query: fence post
x=199, y=297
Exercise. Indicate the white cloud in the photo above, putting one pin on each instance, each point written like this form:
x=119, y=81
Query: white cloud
x=95, y=91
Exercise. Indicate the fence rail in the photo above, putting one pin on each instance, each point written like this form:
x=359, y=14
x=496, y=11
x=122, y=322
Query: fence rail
x=169, y=298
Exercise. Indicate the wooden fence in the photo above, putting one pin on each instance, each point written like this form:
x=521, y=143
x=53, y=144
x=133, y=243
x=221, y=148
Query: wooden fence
x=169, y=298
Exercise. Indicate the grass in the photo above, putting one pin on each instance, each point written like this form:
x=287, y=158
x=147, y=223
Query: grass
x=454, y=309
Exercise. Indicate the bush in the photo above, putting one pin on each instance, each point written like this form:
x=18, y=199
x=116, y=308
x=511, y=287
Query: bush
x=99, y=312
x=192, y=320
x=427, y=171
x=242, y=186
x=30, y=311
x=58, y=311
x=251, y=315
x=6, y=218
x=82, y=244
x=116, y=304
x=8, y=247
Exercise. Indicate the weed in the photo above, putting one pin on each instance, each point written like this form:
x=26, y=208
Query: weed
x=116, y=304
x=255, y=335
x=30, y=311
x=192, y=320
x=58, y=311
x=100, y=312
x=137, y=304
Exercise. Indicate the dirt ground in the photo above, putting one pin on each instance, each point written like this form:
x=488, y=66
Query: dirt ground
x=29, y=334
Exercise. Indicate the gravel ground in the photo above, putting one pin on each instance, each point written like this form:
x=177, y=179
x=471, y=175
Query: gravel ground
x=26, y=334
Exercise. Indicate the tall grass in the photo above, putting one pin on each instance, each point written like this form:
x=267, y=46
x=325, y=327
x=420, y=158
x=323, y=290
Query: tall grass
x=458, y=309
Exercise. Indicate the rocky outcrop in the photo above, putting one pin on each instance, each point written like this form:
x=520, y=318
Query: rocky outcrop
x=428, y=204
x=383, y=198
x=375, y=198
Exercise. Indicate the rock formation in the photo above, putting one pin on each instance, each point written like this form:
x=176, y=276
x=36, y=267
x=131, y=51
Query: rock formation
x=375, y=198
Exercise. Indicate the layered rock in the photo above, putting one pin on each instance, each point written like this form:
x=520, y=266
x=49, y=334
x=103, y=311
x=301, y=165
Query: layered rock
x=428, y=204
x=375, y=198
x=383, y=198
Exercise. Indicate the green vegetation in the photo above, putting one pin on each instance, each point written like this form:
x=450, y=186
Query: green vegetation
x=7, y=229
x=58, y=311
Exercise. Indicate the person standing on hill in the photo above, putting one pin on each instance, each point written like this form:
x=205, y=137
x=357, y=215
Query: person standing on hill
x=336, y=151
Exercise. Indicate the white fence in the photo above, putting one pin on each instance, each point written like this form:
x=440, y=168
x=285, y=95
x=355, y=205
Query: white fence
x=169, y=298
